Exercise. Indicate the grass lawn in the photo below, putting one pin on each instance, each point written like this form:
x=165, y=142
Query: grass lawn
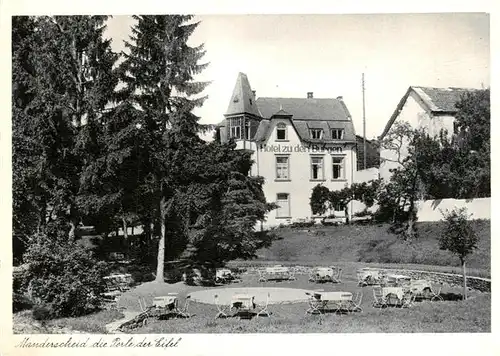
x=473, y=315
x=374, y=244
x=349, y=247
x=92, y=323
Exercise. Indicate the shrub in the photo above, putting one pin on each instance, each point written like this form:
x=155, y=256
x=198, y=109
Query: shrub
x=20, y=300
x=63, y=277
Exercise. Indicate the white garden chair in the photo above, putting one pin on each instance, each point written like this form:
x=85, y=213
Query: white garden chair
x=315, y=304
x=436, y=294
x=262, y=275
x=222, y=310
x=408, y=300
x=379, y=301
x=356, y=303
x=264, y=308
x=338, y=277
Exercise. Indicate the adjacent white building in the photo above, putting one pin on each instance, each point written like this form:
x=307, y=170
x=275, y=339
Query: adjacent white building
x=296, y=143
x=422, y=107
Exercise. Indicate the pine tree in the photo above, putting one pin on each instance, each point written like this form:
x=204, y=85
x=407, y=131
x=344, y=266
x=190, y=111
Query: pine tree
x=159, y=88
x=224, y=204
x=70, y=82
x=27, y=212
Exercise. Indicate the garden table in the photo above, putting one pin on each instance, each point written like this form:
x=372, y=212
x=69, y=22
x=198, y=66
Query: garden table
x=389, y=292
x=368, y=276
x=242, y=302
x=319, y=302
x=223, y=275
x=276, y=273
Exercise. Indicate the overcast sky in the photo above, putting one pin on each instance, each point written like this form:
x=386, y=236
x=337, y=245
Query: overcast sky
x=290, y=55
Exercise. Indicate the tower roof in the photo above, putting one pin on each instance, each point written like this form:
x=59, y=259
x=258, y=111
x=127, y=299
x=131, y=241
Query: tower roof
x=243, y=99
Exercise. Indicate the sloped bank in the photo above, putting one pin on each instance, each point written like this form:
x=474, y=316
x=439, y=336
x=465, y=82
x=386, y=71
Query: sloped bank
x=477, y=283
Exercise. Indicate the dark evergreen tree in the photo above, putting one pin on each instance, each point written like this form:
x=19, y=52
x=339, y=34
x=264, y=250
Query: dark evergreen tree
x=159, y=93
x=70, y=81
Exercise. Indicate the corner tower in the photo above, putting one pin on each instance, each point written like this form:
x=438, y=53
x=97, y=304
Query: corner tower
x=242, y=114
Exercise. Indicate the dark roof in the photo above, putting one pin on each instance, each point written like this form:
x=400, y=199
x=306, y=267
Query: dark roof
x=437, y=101
x=282, y=113
x=302, y=128
x=304, y=113
x=243, y=99
x=441, y=99
x=305, y=109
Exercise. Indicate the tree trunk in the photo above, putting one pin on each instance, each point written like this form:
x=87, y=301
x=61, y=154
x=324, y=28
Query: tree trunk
x=125, y=227
x=161, y=244
x=465, y=279
x=346, y=213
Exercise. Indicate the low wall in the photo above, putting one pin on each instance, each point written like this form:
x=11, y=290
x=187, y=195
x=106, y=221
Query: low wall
x=480, y=284
x=477, y=283
x=431, y=210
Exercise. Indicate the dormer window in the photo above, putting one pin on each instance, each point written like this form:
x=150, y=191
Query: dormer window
x=316, y=134
x=281, y=133
x=337, y=134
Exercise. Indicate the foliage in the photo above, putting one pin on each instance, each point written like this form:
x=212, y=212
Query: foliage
x=453, y=165
x=323, y=200
x=459, y=236
x=224, y=205
x=158, y=96
x=397, y=140
x=63, y=277
x=62, y=81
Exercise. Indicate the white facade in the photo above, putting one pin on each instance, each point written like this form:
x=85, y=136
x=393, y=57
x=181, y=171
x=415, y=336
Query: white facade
x=296, y=144
x=290, y=184
x=415, y=112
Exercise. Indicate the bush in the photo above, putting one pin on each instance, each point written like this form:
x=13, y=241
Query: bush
x=63, y=277
x=20, y=300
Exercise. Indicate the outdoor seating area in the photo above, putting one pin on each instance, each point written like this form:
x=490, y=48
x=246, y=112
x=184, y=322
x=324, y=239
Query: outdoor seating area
x=243, y=306
x=116, y=285
x=251, y=300
x=321, y=302
x=276, y=273
x=368, y=277
x=326, y=274
x=225, y=276
x=398, y=290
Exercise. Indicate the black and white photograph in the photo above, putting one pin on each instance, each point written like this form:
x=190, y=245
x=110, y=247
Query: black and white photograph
x=180, y=173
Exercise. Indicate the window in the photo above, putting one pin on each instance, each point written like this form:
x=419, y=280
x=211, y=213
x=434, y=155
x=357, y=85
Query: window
x=316, y=133
x=282, y=167
x=235, y=127
x=281, y=131
x=317, y=168
x=338, y=207
x=247, y=129
x=283, y=202
x=336, y=150
x=338, y=167
x=337, y=134
x=456, y=128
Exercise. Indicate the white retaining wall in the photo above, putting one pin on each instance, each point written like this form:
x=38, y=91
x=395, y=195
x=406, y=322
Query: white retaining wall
x=431, y=210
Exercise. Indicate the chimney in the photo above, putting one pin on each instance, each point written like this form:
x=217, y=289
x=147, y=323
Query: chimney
x=309, y=95
x=340, y=98
x=254, y=93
